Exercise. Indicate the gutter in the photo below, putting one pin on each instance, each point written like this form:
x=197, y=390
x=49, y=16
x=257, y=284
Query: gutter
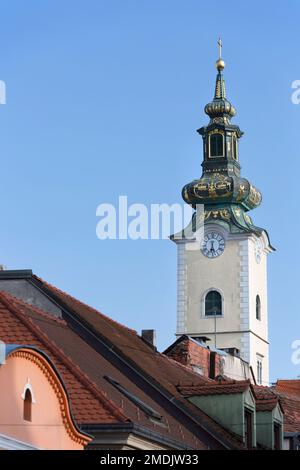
x=135, y=429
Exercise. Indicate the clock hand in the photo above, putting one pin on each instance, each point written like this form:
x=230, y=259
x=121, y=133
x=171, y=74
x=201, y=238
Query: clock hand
x=212, y=247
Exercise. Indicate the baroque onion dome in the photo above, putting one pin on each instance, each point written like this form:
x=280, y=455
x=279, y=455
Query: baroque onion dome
x=225, y=194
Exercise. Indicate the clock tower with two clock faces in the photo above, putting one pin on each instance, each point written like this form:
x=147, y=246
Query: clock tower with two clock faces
x=222, y=255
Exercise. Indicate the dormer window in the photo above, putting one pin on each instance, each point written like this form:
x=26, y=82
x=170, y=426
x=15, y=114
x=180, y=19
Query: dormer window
x=216, y=145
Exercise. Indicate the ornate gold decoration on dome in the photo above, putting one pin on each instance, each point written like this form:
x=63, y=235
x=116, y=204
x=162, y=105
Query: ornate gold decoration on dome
x=237, y=212
x=254, y=196
x=220, y=120
x=223, y=185
x=218, y=214
x=212, y=190
x=241, y=192
x=217, y=131
x=202, y=187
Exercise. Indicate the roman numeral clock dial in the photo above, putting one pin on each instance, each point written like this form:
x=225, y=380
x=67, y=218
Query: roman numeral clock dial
x=213, y=245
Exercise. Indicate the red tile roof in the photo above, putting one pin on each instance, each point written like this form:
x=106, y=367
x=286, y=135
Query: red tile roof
x=266, y=399
x=215, y=388
x=292, y=387
x=289, y=393
x=88, y=390
x=87, y=402
x=161, y=371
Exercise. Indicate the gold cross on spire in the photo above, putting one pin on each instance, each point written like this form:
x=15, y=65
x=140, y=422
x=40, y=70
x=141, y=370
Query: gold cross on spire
x=220, y=47
x=220, y=64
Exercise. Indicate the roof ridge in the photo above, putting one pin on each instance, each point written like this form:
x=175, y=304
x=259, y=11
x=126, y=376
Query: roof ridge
x=61, y=292
x=288, y=380
x=219, y=384
x=213, y=389
x=73, y=368
x=288, y=395
x=263, y=388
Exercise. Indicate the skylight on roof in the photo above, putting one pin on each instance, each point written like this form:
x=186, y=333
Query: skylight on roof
x=148, y=410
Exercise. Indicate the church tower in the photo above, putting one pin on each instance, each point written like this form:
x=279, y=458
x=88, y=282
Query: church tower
x=222, y=255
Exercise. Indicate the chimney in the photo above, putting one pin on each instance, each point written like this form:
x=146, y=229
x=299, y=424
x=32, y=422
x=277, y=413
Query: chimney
x=232, y=351
x=201, y=339
x=149, y=336
x=212, y=365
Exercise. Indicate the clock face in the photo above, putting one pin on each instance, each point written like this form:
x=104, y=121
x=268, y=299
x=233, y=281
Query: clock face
x=213, y=245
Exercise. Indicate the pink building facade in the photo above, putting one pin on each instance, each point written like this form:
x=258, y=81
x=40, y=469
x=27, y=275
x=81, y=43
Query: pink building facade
x=34, y=406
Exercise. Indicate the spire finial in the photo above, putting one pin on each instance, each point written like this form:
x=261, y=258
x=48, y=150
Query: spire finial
x=220, y=48
x=220, y=64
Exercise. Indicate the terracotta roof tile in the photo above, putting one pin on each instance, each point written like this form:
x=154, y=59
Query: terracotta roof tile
x=288, y=392
x=22, y=323
x=215, y=388
x=266, y=399
x=292, y=387
x=17, y=328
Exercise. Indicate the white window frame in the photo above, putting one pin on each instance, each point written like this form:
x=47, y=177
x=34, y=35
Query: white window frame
x=211, y=317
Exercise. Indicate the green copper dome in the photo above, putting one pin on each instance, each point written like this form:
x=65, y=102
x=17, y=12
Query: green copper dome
x=220, y=106
x=225, y=194
x=220, y=188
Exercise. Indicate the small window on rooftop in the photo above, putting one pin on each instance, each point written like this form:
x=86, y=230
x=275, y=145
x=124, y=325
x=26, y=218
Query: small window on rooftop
x=27, y=405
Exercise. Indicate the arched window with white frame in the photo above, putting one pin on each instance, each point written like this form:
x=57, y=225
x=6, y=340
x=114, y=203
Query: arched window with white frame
x=213, y=303
x=27, y=406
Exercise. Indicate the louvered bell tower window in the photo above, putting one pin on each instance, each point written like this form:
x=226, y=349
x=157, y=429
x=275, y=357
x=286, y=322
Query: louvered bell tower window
x=216, y=145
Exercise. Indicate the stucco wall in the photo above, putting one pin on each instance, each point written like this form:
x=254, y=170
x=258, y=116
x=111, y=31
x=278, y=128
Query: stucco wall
x=265, y=422
x=239, y=278
x=46, y=429
x=228, y=410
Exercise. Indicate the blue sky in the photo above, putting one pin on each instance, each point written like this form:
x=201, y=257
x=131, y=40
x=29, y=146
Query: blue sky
x=103, y=99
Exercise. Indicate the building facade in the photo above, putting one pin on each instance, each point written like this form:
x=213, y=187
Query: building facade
x=35, y=408
x=222, y=255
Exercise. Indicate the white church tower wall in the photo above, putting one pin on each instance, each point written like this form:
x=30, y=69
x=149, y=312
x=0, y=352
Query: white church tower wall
x=222, y=289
